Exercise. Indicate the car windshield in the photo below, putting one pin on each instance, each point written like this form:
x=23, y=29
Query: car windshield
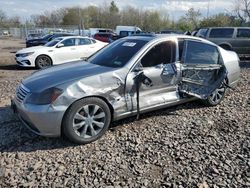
x=46, y=36
x=118, y=53
x=53, y=42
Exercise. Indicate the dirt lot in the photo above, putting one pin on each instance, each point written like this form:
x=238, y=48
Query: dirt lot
x=186, y=146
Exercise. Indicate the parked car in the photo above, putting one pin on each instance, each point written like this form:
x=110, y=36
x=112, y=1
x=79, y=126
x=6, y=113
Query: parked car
x=58, y=51
x=130, y=76
x=229, y=38
x=105, y=37
x=45, y=39
x=124, y=31
x=33, y=36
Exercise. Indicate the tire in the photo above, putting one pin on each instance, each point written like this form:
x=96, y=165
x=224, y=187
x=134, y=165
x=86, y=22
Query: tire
x=86, y=120
x=216, y=97
x=43, y=61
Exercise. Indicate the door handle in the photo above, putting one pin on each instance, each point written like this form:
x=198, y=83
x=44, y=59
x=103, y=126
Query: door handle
x=72, y=48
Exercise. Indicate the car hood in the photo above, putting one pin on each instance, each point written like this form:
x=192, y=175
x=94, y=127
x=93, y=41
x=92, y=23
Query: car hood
x=57, y=75
x=31, y=49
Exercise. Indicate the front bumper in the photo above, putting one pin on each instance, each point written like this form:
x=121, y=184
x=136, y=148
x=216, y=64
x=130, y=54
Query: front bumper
x=43, y=120
x=25, y=61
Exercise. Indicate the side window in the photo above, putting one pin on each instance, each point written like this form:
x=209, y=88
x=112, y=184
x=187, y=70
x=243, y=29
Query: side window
x=180, y=47
x=201, y=53
x=162, y=53
x=221, y=33
x=243, y=33
x=84, y=42
x=202, y=33
x=69, y=42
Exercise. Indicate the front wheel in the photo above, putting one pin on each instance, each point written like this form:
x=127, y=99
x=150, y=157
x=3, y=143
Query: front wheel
x=43, y=61
x=86, y=120
x=216, y=97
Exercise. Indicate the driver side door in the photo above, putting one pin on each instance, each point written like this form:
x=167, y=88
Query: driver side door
x=157, y=75
x=68, y=52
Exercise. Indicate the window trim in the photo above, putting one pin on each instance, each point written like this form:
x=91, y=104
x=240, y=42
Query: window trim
x=242, y=29
x=78, y=43
x=233, y=34
x=184, y=53
x=68, y=39
x=149, y=48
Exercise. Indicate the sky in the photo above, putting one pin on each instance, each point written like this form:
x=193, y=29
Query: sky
x=174, y=8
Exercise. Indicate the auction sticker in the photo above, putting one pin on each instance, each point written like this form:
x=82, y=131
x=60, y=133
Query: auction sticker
x=129, y=44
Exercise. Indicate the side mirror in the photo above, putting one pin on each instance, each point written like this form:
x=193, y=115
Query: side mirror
x=60, y=45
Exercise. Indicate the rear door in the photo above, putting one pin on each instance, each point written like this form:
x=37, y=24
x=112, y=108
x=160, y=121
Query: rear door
x=202, y=69
x=85, y=48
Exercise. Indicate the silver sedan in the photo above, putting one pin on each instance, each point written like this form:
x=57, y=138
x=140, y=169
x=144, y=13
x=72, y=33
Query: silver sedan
x=131, y=76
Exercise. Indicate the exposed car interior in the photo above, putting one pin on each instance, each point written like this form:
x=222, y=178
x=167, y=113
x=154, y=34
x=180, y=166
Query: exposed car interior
x=162, y=53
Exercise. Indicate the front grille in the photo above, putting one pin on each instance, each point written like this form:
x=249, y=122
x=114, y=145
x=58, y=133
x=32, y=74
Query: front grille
x=21, y=93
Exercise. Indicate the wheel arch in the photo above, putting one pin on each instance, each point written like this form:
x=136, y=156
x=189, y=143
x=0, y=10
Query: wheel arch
x=46, y=56
x=227, y=45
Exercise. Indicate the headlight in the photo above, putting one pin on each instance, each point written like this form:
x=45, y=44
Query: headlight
x=46, y=97
x=26, y=54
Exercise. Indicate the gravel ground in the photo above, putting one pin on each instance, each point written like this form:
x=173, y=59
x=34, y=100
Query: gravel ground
x=185, y=146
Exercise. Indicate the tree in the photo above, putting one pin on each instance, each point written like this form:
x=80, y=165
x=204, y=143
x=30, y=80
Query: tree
x=113, y=8
x=2, y=18
x=242, y=11
x=220, y=20
x=190, y=21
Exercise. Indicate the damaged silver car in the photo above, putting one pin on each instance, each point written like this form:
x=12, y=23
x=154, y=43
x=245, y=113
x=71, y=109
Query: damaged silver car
x=131, y=76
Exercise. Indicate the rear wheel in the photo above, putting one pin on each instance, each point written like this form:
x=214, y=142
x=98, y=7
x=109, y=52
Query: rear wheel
x=43, y=61
x=217, y=96
x=86, y=120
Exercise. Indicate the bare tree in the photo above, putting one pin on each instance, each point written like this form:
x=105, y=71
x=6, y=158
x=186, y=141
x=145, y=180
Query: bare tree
x=2, y=18
x=242, y=10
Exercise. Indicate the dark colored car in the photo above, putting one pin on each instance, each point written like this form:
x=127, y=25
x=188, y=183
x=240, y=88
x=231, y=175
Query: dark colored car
x=105, y=37
x=45, y=39
x=229, y=38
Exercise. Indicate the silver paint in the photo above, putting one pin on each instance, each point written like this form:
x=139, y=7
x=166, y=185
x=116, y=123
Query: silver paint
x=116, y=86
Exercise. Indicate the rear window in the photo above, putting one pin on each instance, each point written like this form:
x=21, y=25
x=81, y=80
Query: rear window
x=117, y=54
x=201, y=53
x=221, y=33
x=243, y=33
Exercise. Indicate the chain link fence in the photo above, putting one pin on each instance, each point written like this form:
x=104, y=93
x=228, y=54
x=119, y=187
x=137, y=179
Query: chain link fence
x=23, y=32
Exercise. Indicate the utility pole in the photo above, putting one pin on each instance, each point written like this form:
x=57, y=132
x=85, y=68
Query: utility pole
x=208, y=8
x=80, y=20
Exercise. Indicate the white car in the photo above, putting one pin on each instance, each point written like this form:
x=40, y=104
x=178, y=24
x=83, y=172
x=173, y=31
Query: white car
x=58, y=51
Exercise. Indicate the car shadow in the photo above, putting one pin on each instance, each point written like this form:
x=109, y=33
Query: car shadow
x=15, y=137
x=15, y=67
x=168, y=111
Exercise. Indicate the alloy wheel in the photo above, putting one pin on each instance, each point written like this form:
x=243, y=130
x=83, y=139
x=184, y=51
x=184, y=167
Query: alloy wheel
x=89, y=121
x=218, y=94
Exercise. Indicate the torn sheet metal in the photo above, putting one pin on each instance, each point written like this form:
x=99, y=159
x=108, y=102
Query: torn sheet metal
x=201, y=80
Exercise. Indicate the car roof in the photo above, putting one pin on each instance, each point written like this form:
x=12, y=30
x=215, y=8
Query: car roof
x=230, y=27
x=68, y=37
x=155, y=37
